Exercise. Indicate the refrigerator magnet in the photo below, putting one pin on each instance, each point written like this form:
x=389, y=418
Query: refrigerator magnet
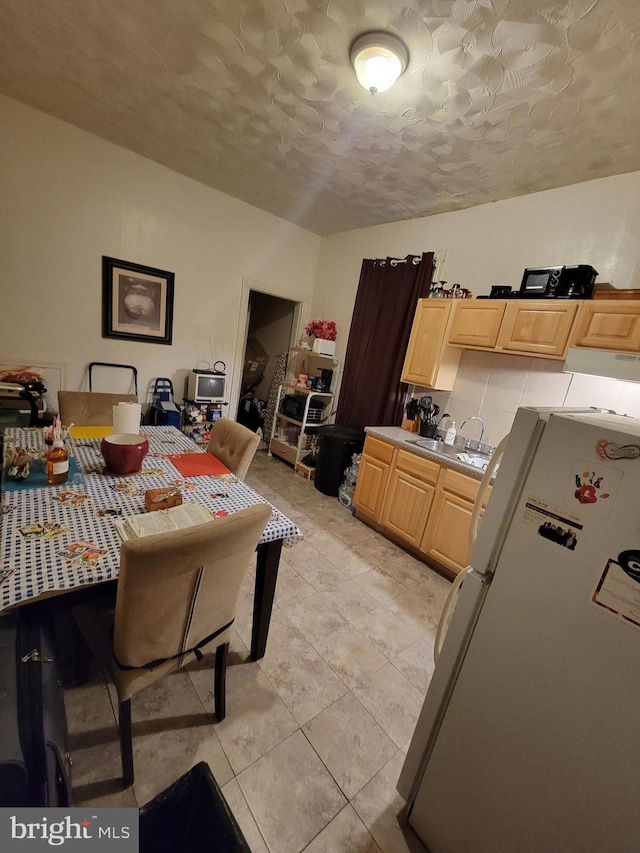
x=593, y=487
x=618, y=589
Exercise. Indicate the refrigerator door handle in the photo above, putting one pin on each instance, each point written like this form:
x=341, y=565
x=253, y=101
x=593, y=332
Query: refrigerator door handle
x=447, y=610
x=484, y=486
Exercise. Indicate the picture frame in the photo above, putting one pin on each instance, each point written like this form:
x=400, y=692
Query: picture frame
x=137, y=302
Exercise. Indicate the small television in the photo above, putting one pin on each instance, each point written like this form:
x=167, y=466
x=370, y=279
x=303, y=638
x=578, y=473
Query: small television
x=205, y=386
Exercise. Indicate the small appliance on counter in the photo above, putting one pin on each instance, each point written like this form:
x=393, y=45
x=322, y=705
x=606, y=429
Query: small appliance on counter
x=575, y=281
x=562, y=282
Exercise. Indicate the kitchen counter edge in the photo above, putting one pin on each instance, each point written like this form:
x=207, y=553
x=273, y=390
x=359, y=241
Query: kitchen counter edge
x=401, y=438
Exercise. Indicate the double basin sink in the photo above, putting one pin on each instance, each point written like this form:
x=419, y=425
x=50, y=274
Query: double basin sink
x=469, y=457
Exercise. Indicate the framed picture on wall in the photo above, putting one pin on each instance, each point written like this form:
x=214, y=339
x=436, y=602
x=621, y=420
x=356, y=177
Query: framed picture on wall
x=137, y=302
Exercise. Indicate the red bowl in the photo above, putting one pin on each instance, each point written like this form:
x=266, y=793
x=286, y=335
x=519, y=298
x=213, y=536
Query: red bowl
x=123, y=452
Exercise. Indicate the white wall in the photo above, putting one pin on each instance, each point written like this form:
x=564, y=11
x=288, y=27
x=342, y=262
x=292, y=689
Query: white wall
x=597, y=222
x=67, y=198
x=493, y=385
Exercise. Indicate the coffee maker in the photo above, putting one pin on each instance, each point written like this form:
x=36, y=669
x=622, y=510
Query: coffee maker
x=322, y=382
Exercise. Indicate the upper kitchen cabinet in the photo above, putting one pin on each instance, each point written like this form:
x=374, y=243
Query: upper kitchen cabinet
x=429, y=362
x=608, y=324
x=476, y=323
x=537, y=328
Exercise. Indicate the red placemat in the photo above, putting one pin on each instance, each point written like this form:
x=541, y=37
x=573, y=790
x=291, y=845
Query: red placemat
x=198, y=465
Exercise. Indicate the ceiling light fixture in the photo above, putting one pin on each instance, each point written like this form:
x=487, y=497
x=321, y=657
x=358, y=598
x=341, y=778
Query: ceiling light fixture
x=378, y=60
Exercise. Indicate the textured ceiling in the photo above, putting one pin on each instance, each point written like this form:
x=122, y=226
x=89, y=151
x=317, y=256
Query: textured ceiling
x=257, y=97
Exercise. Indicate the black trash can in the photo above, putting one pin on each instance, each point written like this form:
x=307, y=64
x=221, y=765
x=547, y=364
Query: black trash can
x=336, y=444
x=192, y=814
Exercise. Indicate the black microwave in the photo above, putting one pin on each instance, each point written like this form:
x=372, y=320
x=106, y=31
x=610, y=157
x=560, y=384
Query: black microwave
x=293, y=406
x=563, y=282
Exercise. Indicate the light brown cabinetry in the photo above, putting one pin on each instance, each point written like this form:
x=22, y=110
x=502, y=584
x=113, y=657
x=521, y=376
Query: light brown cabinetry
x=409, y=496
x=372, y=480
x=429, y=362
x=609, y=325
x=446, y=538
x=476, y=324
x=537, y=328
x=417, y=502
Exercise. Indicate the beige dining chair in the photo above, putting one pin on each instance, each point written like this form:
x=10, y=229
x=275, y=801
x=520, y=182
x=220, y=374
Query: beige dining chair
x=234, y=445
x=88, y=408
x=177, y=593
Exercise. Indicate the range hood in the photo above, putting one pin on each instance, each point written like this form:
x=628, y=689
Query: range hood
x=615, y=365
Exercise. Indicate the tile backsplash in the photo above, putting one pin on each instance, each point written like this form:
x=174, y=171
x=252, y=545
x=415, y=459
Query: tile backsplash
x=493, y=386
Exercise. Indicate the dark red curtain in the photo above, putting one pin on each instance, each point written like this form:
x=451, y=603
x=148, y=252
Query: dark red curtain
x=371, y=393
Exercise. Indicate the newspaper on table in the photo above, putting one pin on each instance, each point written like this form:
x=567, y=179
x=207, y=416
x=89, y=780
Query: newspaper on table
x=163, y=520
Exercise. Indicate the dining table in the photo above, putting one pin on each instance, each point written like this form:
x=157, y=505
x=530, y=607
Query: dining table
x=59, y=540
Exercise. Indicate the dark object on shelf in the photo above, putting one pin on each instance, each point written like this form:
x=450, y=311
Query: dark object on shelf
x=500, y=291
x=322, y=382
x=562, y=282
x=34, y=761
x=336, y=445
x=192, y=815
x=293, y=406
x=310, y=460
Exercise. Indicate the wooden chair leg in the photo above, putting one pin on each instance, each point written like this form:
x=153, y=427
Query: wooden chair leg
x=126, y=744
x=220, y=681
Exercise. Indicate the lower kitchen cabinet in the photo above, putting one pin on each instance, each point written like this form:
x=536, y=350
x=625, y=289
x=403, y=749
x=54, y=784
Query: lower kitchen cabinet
x=446, y=537
x=417, y=503
x=409, y=497
x=372, y=480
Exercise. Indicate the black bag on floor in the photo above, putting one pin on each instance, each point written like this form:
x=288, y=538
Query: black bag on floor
x=35, y=767
x=192, y=815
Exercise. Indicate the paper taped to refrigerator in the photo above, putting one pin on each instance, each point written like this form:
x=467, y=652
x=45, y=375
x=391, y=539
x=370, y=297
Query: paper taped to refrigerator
x=552, y=522
x=618, y=589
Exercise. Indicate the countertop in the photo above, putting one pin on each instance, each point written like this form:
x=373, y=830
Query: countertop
x=404, y=439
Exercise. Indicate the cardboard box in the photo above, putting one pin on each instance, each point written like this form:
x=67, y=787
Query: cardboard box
x=255, y=362
x=305, y=471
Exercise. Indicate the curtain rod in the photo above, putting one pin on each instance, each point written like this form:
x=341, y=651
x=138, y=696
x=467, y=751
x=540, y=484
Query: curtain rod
x=395, y=261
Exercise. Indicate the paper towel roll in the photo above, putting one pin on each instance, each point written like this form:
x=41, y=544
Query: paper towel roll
x=126, y=417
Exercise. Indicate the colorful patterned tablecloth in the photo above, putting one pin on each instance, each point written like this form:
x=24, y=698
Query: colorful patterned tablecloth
x=36, y=565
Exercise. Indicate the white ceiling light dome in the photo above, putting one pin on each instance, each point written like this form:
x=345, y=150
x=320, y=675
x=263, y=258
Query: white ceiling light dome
x=378, y=59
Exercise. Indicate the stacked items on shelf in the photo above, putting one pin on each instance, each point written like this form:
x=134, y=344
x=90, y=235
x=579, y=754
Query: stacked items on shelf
x=304, y=403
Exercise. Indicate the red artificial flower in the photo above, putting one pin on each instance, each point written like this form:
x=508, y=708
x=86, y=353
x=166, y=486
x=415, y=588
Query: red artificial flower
x=323, y=329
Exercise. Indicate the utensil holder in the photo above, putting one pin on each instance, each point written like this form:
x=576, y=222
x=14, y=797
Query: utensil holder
x=427, y=430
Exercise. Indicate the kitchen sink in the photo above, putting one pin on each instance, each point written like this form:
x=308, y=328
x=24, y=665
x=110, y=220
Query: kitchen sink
x=478, y=461
x=472, y=457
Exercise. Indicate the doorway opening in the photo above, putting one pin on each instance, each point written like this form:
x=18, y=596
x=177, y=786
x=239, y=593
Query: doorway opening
x=271, y=324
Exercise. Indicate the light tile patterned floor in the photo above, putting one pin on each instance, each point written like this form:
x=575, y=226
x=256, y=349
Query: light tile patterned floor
x=315, y=734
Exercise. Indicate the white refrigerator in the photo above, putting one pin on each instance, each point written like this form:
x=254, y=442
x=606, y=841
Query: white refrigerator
x=529, y=737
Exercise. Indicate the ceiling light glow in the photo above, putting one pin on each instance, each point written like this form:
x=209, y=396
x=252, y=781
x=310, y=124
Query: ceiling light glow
x=378, y=60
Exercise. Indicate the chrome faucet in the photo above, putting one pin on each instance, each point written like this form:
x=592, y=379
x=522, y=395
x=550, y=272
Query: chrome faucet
x=466, y=421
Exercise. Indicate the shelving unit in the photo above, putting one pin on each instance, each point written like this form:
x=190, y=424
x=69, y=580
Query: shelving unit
x=292, y=437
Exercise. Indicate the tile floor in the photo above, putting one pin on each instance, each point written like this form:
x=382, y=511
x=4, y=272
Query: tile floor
x=316, y=732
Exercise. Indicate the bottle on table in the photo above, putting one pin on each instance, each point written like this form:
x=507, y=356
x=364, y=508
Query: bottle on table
x=57, y=463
